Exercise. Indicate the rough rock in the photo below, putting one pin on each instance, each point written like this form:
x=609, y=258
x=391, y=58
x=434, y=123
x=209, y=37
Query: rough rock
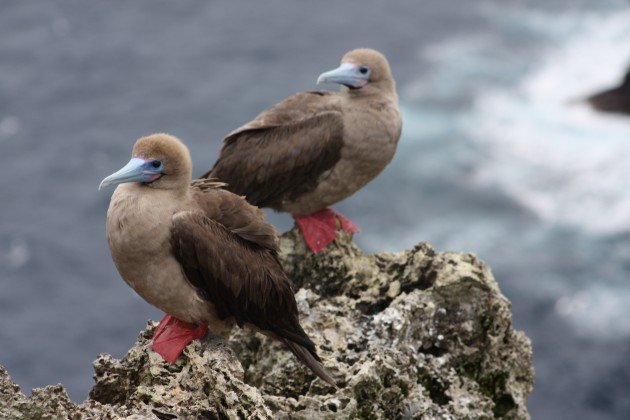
x=415, y=334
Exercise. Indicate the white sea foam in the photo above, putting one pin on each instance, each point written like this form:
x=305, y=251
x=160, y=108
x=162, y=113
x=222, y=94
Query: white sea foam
x=536, y=140
x=542, y=144
x=566, y=162
x=9, y=126
x=16, y=254
x=599, y=311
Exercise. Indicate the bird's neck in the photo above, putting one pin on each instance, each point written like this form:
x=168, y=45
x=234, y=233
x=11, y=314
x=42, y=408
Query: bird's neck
x=139, y=217
x=385, y=90
x=146, y=195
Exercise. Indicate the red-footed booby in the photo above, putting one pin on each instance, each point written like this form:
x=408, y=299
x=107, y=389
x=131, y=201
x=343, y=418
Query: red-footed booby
x=200, y=253
x=315, y=149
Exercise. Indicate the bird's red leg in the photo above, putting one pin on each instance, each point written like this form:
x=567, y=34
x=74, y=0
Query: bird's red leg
x=172, y=336
x=320, y=228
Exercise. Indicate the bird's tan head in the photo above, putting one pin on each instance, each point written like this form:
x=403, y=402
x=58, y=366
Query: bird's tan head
x=157, y=161
x=362, y=70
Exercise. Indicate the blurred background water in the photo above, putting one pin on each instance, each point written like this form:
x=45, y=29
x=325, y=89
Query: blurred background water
x=498, y=157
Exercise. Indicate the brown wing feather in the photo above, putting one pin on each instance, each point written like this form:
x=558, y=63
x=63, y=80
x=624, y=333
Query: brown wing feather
x=280, y=155
x=241, y=279
x=235, y=213
x=293, y=109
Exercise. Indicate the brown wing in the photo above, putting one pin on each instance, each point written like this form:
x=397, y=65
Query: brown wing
x=280, y=155
x=235, y=213
x=243, y=280
x=298, y=107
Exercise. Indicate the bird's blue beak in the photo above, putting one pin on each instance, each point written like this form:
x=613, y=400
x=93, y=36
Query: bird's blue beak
x=348, y=74
x=137, y=170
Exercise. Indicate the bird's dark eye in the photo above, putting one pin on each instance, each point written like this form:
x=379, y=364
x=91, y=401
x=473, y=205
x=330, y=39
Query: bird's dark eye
x=156, y=164
x=363, y=70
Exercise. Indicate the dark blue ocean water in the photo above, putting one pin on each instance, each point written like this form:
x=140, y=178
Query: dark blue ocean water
x=497, y=158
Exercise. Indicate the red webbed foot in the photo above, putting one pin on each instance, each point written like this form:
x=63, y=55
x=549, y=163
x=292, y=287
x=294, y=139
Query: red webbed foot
x=320, y=228
x=172, y=336
x=346, y=224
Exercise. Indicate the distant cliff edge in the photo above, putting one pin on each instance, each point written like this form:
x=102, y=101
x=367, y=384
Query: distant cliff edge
x=415, y=334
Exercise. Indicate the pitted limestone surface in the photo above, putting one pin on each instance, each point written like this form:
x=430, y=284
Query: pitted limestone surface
x=413, y=335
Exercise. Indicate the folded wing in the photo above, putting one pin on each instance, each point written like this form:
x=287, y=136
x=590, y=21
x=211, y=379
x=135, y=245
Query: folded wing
x=239, y=271
x=280, y=155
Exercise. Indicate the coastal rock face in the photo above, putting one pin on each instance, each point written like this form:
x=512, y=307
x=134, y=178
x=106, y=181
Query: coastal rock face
x=416, y=334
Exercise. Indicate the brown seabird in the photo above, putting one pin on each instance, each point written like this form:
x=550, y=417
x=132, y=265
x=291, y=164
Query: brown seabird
x=315, y=149
x=200, y=253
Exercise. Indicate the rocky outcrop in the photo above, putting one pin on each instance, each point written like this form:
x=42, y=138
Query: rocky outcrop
x=416, y=334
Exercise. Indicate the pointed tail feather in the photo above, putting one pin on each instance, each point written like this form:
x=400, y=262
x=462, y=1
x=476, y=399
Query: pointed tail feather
x=310, y=361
